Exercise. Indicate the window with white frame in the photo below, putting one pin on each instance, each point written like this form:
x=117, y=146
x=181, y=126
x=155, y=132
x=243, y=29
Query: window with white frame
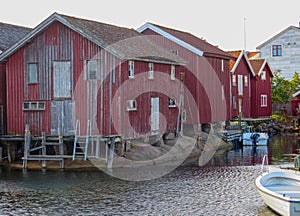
x=172, y=102
x=131, y=69
x=32, y=73
x=240, y=84
x=172, y=72
x=131, y=105
x=33, y=105
x=263, y=75
x=246, y=83
x=233, y=80
x=263, y=100
x=222, y=65
x=151, y=71
x=92, y=70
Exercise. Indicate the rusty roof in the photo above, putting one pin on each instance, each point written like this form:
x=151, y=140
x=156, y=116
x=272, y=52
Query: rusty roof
x=207, y=48
x=257, y=64
x=10, y=34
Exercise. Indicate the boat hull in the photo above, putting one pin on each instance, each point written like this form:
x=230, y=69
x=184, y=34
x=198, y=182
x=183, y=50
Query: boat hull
x=280, y=191
x=262, y=140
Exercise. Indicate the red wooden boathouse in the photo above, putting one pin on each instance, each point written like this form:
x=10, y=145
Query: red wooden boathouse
x=241, y=73
x=69, y=69
x=9, y=34
x=207, y=75
x=261, y=100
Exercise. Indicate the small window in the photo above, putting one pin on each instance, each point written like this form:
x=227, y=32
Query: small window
x=32, y=73
x=92, y=70
x=172, y=72
x=131, y=105
x=234, y=102
x=175, y=52
x=233, y=80
x=246, y=81
x=172, y=102
x=151, y=71
x=31, y=106
x=263, y=100
x=276, y=50
x=131, y=69
x=263, y=75
x=222, y=65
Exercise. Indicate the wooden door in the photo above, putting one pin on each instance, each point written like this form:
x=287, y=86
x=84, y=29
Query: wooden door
x=63, y=117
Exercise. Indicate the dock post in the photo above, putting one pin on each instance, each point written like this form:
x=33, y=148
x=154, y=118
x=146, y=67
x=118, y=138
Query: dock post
x=111, y=153
x=61, y=147
x=26, y=146
x=44, y=149
x=1, y=152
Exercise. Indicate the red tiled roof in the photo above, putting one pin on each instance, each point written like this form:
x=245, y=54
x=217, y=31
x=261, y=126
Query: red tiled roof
x=235, y=54
x=252, y=54
x=257, y=64
x=198, y=43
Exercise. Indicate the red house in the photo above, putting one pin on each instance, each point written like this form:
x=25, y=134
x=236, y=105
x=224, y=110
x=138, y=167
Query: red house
x=69, y=69
x=207, y=75
x=241, y=74
x=9, y=34
x=295, y=104
x=261, y=100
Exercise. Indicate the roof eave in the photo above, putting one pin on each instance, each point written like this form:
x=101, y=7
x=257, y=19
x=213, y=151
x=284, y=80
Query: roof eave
x=170, y=37
x=52, y=18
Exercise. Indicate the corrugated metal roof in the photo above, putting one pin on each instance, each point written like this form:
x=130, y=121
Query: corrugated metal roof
x=200, y=44
x=10, y=34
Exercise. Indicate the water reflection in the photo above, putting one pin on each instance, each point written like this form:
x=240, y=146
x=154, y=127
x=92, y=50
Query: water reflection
x=223, y=187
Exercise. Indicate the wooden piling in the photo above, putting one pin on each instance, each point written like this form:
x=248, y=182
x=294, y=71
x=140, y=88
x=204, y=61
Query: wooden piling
x=26, y=146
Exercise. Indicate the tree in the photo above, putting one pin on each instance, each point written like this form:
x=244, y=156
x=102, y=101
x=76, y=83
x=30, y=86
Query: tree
x=282, y=89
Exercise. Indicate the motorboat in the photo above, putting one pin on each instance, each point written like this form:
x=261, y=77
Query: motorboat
x=255, y=138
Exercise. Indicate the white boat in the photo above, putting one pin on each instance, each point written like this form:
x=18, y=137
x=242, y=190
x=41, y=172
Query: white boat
x=280, y=190
x=261, y=138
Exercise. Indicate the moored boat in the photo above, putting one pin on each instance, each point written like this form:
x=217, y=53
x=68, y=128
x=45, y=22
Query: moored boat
x=255, y=138
x=280, y=190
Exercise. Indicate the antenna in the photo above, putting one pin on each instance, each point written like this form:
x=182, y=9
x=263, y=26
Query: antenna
x=245, y=34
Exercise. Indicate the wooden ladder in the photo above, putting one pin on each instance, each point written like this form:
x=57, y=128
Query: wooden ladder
x=81, y=143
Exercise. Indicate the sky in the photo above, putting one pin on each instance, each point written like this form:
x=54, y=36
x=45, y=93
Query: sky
x=229, y=24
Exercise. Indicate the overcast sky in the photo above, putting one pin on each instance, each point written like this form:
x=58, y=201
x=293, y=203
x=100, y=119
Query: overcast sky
x=220, y=22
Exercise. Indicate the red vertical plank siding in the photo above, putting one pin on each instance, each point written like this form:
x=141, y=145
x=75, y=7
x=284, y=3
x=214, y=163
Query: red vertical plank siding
x=3, y=97
x=242, y=69
x=15, y=92
x=261, y=87
x=203, y=79
x=92, y=98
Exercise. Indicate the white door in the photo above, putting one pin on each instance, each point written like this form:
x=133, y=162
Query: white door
x=155, y=114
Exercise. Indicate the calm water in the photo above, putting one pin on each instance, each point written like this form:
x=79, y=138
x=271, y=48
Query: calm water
x=224, y=187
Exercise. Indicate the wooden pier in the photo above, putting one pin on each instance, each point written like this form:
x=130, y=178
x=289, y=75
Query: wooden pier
x=36, y=148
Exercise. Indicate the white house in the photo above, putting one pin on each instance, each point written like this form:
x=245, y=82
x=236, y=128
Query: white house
x=282, y=51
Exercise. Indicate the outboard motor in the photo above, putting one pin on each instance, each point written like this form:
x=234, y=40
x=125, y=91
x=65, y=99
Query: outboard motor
x=254, y=138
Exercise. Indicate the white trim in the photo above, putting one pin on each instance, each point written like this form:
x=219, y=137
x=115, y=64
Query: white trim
x=170, y=37
x=243, y=53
